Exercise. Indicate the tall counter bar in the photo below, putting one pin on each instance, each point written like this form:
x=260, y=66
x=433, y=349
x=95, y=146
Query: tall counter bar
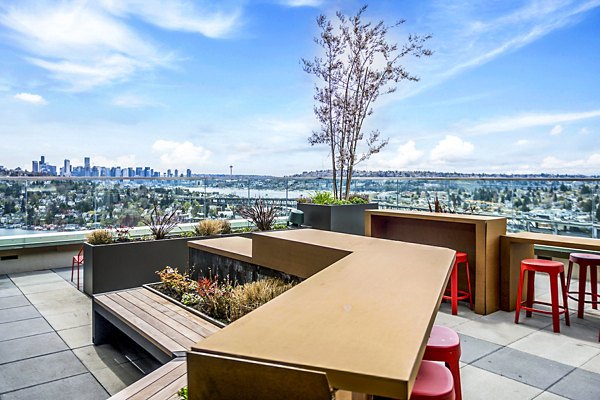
x=478, y=236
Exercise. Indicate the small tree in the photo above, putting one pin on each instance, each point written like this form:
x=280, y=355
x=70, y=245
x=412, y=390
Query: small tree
x=358, y=65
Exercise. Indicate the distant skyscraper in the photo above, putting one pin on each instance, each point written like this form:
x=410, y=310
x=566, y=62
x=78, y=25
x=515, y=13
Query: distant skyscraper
x=35, y=167
x=42, y=160
x=176, y=173
x=188, y=173
x=86, y=166
x=67, y=168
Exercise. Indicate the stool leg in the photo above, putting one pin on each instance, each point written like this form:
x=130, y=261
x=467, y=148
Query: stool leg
x=454, y=367
x=581, y=299
x=454, y=289
x=72, y=268
x=554, y=301
x=594, y=284
x=569, y=274
x=469, y=284
x=530, y=291
x=565, y=300
x=78, y=265
x=519, y=296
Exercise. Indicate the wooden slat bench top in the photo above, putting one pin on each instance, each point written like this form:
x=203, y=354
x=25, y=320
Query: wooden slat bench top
x=167, y=326
x=161, y=384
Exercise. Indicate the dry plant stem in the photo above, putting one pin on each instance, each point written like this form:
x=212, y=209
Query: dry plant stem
x=161, y=224
x=261, y=213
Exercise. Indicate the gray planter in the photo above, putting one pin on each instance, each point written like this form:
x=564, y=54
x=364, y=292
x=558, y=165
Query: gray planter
x=118, y=266
x=348, y=218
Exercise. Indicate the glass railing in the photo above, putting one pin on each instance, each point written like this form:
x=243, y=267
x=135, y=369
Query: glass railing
x=549, y=205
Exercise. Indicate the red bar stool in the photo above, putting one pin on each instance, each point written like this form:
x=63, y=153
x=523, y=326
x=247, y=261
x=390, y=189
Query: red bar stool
x=434, y=382
x=455, y=293
x=553, y=268
x=77, y=260
x=444, y=345
x=585, y=261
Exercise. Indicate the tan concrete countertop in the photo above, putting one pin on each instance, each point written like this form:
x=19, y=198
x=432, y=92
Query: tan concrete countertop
x=364, y=319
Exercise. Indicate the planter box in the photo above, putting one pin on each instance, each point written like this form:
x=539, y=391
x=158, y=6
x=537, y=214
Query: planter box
x=348, y=218
x=118, y=266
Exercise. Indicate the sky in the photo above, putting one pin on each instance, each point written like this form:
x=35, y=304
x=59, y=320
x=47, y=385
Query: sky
x=512, y=86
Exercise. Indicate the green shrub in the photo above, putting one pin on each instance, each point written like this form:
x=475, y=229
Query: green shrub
x=326, y=198
x=100, y=236
x=211, y=227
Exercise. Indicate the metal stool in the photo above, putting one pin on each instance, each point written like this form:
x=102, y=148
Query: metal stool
x=585, y=261
x=444, y=345
x=553, y=268
x=455, y=293
x=434, y=381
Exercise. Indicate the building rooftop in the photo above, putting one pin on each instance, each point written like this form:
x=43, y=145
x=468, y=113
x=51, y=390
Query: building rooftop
x=46, y=349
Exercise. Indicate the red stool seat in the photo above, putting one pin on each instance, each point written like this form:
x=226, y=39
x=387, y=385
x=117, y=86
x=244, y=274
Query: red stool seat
x=434, y=381
x=77, y=261
x=585, y=261
x=444, y=345
x=456, y=294
x=556, y=270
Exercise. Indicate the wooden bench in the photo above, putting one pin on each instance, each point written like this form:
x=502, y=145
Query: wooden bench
x=161, y=384
x=161, y=327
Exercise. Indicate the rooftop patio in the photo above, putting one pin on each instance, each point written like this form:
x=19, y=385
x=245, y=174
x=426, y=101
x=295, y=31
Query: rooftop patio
x=46, y=349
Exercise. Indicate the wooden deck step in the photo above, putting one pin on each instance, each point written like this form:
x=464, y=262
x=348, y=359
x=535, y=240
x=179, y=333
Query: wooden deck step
x=162, y=384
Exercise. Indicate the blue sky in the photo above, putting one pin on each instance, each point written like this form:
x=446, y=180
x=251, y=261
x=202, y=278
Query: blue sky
x=513, y=86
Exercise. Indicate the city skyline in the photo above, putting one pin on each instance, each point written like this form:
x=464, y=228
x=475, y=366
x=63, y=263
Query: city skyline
x=511, y=88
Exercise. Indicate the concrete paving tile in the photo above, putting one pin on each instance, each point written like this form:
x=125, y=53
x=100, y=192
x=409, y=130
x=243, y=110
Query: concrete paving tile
x=550, y=396
x=117, y=377
x=578, y=385
x=34, y=278
x=31, y=346
x=593, y=365
x=584, y=330
x=451, y=321
x=524, y=367
x=473, y=349
x=45, y=287
x=18, y=314
x=9, y=292
x=18, y=329
x=481, y=384
x=77, y=337
x=75, y=387
x=52, y=307
x=557, y=347
x=99, y=357
x=38, y=370
x=499, y=327
x=71, y=319
x=6, y=284
x=13, y=301
x=464, y=312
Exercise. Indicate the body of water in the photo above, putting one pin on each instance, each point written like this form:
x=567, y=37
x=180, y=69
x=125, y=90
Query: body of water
x=16, y=231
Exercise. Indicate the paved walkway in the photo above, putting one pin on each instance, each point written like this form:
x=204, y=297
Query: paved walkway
x=46, y=350
x=45, y=343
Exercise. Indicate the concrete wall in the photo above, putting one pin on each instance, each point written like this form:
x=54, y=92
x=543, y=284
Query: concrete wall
x=38, y=258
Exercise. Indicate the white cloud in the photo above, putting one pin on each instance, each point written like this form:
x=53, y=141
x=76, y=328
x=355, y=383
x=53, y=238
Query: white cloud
x=591, y=164
x=513, y=123
x=450, y=149
x=473, y=39
x=173, y=154
x=179, y=15
x=523, y=142
x=88, y=44
x=584, y=131
x=30, y=98
x=301, y=3
x=556, y=130
x=406, y=155
x=123, y=161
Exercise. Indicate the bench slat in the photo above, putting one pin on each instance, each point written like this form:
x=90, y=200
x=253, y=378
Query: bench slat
x=164, y=384
x=155, y=336
x=191, y=321
x=151, y=379
x=182, y=335
x=167, y=392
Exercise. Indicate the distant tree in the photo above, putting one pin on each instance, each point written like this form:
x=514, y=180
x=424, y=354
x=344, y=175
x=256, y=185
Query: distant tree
x=357, y=66
x=585, y=189
x=598, y=213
